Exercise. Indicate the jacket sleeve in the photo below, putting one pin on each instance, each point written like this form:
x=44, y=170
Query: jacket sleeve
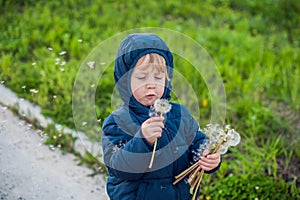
x=125, y=155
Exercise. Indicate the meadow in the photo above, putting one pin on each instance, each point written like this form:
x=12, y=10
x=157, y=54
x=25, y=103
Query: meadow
x=254, y=44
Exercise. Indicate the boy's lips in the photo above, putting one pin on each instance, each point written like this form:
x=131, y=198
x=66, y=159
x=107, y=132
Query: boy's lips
x=150, y=96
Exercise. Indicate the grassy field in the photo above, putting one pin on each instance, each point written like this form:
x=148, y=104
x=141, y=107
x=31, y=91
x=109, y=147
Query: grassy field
x=254, y=44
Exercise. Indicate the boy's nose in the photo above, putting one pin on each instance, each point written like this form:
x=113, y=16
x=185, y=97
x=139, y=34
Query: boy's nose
x=150, y=85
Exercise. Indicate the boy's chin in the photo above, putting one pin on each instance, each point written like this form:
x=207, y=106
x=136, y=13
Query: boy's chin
x=148, y=102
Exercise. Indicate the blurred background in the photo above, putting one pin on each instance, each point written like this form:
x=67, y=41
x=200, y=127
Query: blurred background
x=254, y=44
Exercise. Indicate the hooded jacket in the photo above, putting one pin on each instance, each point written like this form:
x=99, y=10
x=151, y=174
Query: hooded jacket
x=127, y=154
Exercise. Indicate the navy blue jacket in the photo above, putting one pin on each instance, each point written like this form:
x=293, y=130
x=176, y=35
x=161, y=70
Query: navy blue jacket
x=127, y=154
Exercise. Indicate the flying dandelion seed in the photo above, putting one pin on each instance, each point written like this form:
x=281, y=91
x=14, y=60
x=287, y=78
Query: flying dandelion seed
x=34, y=91
x=62, y=53
x=23, y=86
x=51, y=147
x=84, y=123
x=34, y=63
x=50, y=49
x=93, y=85
x=80, y=40
x=91, y=64
x=57, y=60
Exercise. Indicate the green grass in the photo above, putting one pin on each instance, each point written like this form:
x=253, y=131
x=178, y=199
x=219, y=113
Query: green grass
x=255, y=45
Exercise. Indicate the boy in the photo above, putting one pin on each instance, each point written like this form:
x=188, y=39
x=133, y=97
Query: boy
x=143, y=74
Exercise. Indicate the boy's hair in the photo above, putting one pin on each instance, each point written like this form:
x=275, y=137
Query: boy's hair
x=158, y=62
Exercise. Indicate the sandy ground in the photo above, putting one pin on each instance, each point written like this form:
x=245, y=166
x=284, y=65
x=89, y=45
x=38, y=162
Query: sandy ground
x=29, y=170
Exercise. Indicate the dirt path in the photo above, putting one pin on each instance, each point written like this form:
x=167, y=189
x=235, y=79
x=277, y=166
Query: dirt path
x=29, y=170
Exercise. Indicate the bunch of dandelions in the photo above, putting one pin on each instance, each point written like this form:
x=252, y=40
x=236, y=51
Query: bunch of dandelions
x=159, y=108
x=219, y=140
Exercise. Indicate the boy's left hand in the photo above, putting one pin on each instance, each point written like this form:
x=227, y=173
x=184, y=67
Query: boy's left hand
x=209, y=161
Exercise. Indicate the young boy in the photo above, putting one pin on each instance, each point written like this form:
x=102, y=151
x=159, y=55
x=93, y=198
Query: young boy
x=143, y=74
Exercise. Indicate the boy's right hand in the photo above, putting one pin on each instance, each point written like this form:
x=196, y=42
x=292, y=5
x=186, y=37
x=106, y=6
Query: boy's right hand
x=152, y=128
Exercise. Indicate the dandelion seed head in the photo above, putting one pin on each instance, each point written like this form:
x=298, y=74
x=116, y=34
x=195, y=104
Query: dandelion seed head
x=223, y=149
x=224, y=136
x=162, y=105
x=199, y=152
x=233, y=137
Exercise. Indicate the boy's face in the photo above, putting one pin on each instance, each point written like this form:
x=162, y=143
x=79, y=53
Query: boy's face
x=147, y=83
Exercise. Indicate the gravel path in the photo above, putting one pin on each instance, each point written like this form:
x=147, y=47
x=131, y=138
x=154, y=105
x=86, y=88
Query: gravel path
x=29, y=170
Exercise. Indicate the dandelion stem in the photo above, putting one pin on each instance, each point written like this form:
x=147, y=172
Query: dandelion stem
x=217, y=147
x=184, y=173
x=195, y=192
x=194, y=175
x=153, y=153
x=199, y=178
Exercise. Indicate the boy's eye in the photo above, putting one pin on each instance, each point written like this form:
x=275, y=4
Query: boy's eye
x=159, y=77
x=141, y=77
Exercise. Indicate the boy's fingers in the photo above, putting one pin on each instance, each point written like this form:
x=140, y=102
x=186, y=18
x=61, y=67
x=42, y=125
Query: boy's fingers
x=206, y=152
x=214, y=156
x=157, y=119
x=157, y=124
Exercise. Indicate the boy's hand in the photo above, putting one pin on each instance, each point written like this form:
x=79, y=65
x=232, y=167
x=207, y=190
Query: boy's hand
x=152, y=128
x=209, y=161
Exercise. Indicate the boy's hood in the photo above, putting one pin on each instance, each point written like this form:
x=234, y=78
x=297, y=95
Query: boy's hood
x=131, y=49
